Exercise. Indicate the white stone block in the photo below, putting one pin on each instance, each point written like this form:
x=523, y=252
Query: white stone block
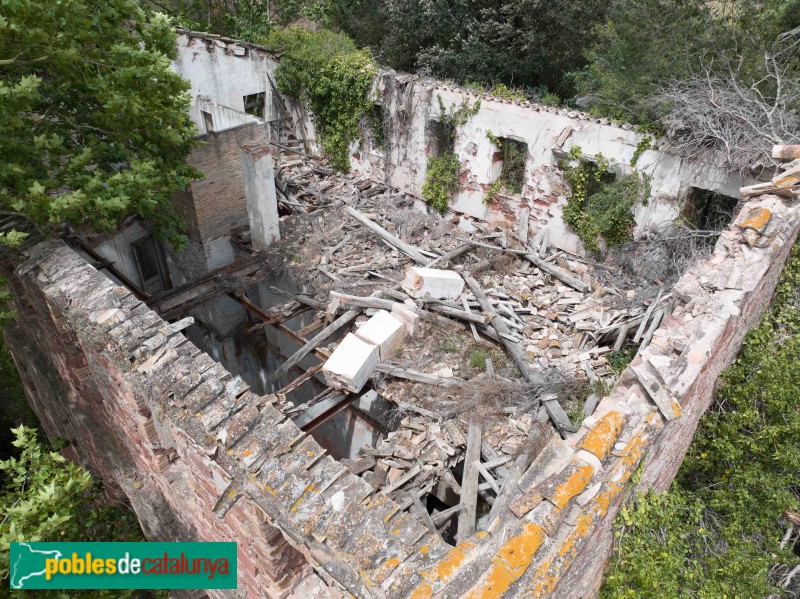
x=437, y=283
x=409, y=317
x=385, y=331
x=351, y=364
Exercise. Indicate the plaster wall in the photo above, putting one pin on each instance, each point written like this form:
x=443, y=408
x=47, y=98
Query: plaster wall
x=413, y=102
x=221, y=71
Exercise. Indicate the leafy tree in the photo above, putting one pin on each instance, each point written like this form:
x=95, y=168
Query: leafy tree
x=645, y=45
x=44, y=497
x=94, y=125
x=524, y=43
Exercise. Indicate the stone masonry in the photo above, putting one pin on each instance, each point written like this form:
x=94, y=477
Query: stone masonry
x=202, y=457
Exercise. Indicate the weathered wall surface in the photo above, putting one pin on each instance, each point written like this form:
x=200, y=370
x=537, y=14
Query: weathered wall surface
x=221, y=70
x=200, y=456
x=218, y=200
x=413, y=102
x=90, y=357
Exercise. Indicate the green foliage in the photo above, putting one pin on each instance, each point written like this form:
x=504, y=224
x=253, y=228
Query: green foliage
x=717, y=532
x=457, y=116
x=619, y=360
x=600, y=206
x=511, y=178
x=14, y=408
x=550, y=99
x=643, y=145
x=505, y=92
x=629, y=59
x=95, y=124
x=333, y=76
x=448, y=347
x=44, y=497
x=517, y=43
x=479, y=355
x=477, y=359
x=441, y=181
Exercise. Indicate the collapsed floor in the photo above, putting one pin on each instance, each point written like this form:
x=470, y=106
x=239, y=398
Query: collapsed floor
x=461, y=397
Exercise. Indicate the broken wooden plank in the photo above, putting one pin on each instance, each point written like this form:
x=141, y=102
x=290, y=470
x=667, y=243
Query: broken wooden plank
x=538, y=437
x=515, y=349
x=310, y=373
x=557, y=414
x=487, y=476
x=402, y=480
x=643, y=324
x=469, y=484
x=652, y=329
x=420, y=510
x=420, y=377
x=654, y=386
x=408, y=249
x=442, y=517
x=325, y=410
x=785, y=152
x=465, y=303
x=318, y=339
x=558, y=273
x=448, y=256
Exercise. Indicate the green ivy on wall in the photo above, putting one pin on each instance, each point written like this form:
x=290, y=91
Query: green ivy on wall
x=333, y=76
x=601, y=204
x=442, y=180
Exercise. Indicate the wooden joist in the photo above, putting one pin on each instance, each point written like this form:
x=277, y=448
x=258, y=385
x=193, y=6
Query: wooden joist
x=315, y=342
x=408, y=249
x=469, y=484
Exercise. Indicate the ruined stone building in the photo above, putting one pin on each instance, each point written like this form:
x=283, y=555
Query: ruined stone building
x=372, y=399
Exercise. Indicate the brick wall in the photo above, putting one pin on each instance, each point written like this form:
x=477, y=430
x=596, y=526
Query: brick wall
x=215, y=204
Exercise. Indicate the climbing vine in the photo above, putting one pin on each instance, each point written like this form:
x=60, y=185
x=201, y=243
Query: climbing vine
x=441, y=182
x=515, y=153
x=333, y=76
x=641, y=147
x=600, y=207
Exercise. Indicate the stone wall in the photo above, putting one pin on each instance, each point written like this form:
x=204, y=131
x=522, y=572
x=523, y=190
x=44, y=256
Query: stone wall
x=202, y=457
x=93, y=359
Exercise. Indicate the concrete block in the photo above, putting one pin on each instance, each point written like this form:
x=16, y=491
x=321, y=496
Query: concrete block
x=351, y=364
x=409, y=317
x=385, y=331
x=437, y=283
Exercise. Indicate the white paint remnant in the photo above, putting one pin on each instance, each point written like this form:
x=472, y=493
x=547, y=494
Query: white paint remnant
x=337, y=501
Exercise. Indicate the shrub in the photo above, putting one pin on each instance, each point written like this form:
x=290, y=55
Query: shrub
x=333, y=76
x=442, y=180
x=600, y=206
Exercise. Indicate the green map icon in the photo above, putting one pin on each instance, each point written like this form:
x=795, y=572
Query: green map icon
x=27, y=563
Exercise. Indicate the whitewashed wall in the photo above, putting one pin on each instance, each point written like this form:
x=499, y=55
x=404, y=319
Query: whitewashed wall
x=223, y=71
